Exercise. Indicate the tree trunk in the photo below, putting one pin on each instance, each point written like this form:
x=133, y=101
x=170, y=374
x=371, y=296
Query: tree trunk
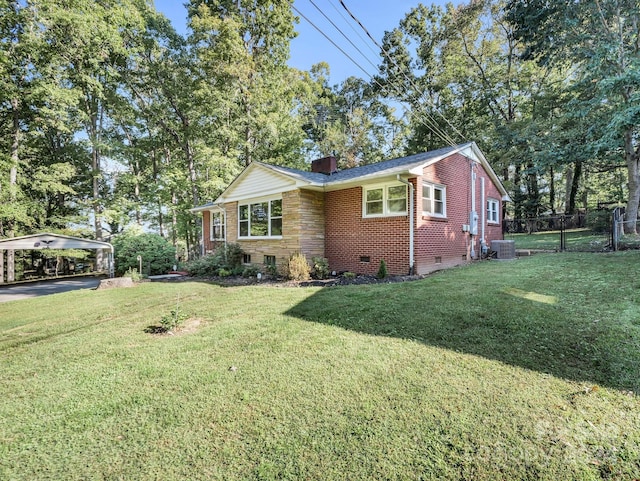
x=632, y=158
x=575, y=184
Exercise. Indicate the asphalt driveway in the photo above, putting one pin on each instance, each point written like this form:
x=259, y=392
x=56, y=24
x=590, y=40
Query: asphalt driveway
x=43, y=288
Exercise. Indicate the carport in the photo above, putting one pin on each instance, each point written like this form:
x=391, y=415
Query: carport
x=51, y=241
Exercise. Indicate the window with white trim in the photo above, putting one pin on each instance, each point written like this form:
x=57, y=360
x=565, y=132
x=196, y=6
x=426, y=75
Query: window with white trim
x=493, y=211
x=384, y=200
x=260, y=219
x=434, y=199
x=216, y=226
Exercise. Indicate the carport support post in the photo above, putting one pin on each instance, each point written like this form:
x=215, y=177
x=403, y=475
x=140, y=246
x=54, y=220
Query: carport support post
x=11, y=265
x=1, y=266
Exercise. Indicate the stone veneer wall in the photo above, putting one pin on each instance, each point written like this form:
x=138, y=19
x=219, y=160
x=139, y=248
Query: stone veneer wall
x=302, y=229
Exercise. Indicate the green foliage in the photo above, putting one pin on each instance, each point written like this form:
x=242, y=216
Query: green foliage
x=599, y=220
x=349, y=275
x=320, y=267
x=158, y=255
x=382, y=270
x=298, y=268
x=170, y=322
x=250, y=271
x=227, y=258
x=272, y=270
x=224, y=272
x=133, y=274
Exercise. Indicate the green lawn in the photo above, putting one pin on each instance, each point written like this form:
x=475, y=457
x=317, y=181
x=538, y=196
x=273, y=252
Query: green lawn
x=526, y=369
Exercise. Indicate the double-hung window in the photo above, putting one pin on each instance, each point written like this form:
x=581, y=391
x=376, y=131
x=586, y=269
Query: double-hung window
x=493, y=209
x=384, y=200
x=260, y=219
x=216, y=229
x=434, y=200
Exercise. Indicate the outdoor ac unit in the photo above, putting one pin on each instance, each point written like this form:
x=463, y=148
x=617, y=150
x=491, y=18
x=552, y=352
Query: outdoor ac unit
x=504, y=249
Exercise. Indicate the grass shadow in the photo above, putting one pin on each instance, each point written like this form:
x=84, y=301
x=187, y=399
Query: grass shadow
x=510, y=325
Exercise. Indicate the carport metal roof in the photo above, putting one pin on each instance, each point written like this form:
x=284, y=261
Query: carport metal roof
x=52, y=241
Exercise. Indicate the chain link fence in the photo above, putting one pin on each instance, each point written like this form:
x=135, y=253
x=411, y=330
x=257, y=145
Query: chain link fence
x=582, y=232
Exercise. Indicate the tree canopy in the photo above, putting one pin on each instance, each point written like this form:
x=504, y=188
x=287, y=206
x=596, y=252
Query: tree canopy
x=109, y=118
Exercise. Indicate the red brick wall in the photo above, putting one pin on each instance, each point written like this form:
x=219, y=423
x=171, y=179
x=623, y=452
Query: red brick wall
x=350, y=236
x=441, y=242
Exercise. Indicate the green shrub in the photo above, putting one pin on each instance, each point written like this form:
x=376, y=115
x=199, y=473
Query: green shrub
x=208, y=265
x=599, y=220
x=382, y=270
x=320, y=267
x=157, y=253
x=173, y=320
x=298, y=268
x=250, y=271
x=224, y=272
x=349, y=275
x=272, y=270
x=227, y=257
x=133, y=274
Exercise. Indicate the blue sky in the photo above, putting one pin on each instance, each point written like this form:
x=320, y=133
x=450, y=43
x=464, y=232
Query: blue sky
x=311, y=47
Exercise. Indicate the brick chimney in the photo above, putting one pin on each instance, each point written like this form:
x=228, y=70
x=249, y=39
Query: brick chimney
x=326, y=165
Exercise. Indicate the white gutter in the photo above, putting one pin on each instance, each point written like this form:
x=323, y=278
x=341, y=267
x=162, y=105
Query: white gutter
x=411, y=222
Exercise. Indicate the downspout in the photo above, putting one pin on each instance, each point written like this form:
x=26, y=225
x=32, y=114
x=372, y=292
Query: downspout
x=473, y=216
x=202, y=248
x=483, y=214
x=411, y=222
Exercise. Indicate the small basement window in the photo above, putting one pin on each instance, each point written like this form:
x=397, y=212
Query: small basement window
x=270, y=260
x=246, y=258
x=365, y=259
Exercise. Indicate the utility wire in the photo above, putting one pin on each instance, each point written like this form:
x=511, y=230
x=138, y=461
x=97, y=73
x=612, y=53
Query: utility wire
x=332, y=42
x=343, y=34
x=392, y=60
x=428, y=120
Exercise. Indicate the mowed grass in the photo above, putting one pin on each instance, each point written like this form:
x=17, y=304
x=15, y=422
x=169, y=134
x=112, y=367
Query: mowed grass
x=528, y=369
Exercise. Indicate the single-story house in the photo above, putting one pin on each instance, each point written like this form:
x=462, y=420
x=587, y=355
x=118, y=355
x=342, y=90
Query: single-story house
x=418, y=213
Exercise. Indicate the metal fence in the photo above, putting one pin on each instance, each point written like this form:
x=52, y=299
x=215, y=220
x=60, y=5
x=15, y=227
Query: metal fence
x=578, y=233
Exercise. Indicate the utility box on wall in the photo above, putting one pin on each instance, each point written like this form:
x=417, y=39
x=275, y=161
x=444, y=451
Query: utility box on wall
x=473, y=223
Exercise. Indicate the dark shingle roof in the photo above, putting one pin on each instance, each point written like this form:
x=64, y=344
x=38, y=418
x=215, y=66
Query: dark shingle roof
x=366, y=170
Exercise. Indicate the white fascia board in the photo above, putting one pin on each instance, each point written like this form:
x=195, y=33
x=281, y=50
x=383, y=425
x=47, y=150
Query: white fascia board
x=256, y=195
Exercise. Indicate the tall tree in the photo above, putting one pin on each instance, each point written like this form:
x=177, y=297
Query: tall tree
x=461, y=70
x=600, y=39
x=251, y=94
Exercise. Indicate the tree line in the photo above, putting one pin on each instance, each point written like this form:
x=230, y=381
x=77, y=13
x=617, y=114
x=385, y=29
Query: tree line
x=110, y=118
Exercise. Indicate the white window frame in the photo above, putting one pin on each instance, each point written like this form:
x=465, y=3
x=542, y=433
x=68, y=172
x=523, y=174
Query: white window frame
x=432, y=188
x=386, y=211
x=493, y=211
x=270, y=217
x=221, y=215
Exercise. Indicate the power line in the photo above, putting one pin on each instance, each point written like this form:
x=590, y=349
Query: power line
x=332, y=42
x=427, y=119
x=343, y=34
x=392, y=60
